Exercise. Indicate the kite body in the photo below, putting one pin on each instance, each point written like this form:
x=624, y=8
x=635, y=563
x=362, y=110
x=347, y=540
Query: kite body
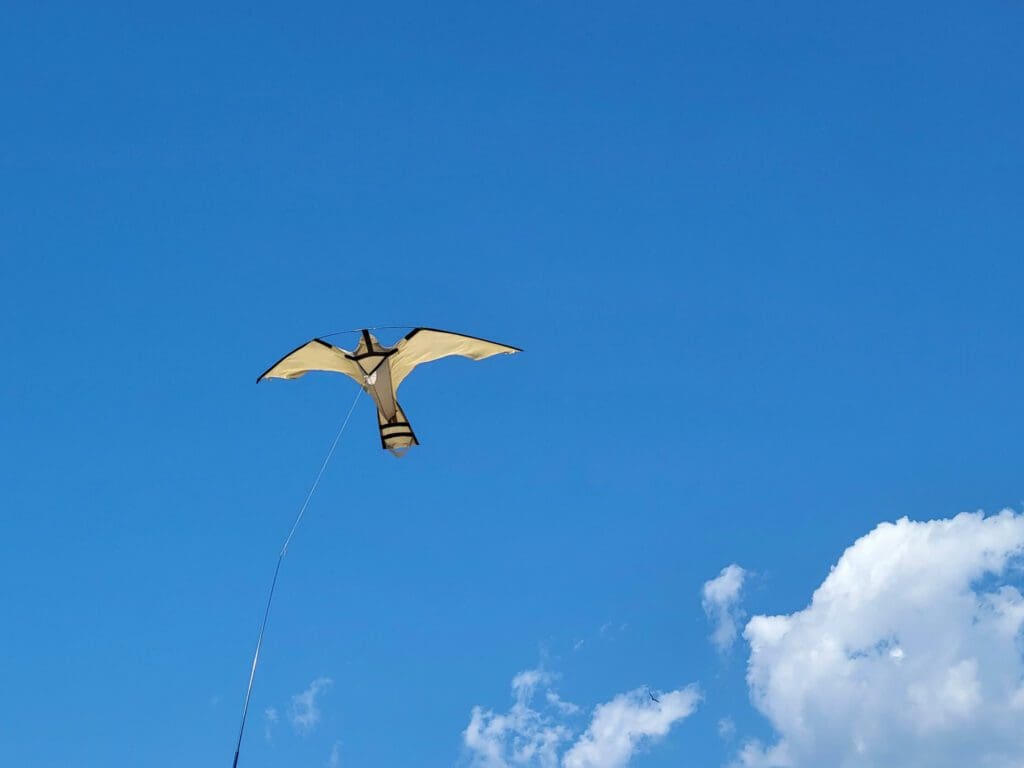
x=380, y=370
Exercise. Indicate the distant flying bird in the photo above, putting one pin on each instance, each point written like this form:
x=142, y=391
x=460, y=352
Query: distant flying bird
x=380, y=370
x=654, y=698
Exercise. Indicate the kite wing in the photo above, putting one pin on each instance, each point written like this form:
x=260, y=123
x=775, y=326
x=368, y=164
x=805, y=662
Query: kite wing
x=423, y=345
x=315, y=355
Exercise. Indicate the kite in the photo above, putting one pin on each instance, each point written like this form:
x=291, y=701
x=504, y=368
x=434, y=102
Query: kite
x=380, y=370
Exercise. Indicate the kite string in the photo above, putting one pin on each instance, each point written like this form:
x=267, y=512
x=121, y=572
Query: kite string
x=316, y=482
x=277, y=571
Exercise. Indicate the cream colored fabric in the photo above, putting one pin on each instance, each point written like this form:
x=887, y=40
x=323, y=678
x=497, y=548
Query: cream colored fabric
x=424, y=345
x=315, y=356
x=395, y=433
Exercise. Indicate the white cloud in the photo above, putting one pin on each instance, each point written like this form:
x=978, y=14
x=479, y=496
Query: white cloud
x=544, y=737
x=909, y=654
x=304, y=710
x=721, y=597
x=621, y=726
x=726, y=728
x=565, y=707
x=270, y=719
x=522, y=736
x=334, y=759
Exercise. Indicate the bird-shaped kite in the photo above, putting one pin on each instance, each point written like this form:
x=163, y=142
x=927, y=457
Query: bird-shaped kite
x=380, y=370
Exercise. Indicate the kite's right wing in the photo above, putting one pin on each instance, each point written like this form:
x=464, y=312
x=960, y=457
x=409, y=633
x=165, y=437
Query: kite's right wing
x=422, y=345
x=315, y=355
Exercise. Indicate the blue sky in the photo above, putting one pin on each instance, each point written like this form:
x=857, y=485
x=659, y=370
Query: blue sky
x=765, y=263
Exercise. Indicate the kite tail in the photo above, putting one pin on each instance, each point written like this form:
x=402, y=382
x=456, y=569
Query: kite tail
x=395, y=433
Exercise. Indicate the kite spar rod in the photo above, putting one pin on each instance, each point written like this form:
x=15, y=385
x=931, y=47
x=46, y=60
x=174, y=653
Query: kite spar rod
x=277, y=570
x=371, y=328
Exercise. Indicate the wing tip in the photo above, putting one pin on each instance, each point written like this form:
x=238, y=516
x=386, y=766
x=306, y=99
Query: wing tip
x=317, y=339
x=511, y=350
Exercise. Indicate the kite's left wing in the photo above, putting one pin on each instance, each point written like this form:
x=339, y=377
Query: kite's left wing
x=422, y=345
x=315, y=355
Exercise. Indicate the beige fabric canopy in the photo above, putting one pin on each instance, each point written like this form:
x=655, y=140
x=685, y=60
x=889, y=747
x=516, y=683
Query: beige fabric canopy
x=379, y=370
